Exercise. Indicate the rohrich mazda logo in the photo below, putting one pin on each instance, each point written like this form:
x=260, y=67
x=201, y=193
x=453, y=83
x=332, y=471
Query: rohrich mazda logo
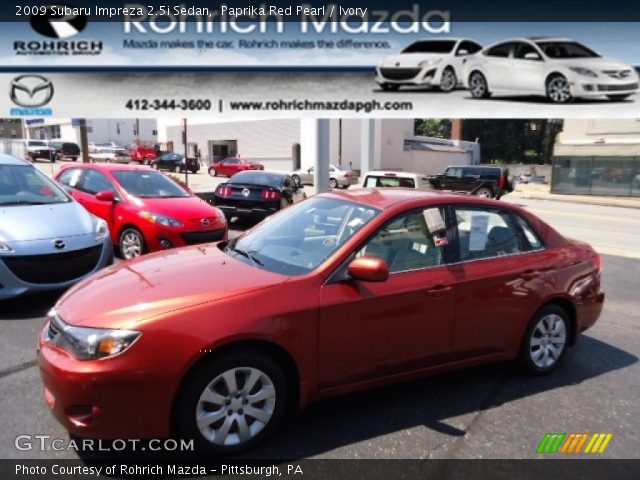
x=58, y=21
x=31, y=91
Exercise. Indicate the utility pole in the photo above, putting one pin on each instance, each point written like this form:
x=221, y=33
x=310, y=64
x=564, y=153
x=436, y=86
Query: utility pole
x=84, y=142
x=137, y=131
x=186, y=152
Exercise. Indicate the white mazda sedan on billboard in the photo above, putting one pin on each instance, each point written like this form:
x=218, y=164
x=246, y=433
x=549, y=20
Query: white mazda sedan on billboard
x=558, y=68
x=433, y=63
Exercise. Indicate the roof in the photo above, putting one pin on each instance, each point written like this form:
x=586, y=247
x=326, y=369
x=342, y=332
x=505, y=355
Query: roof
x=392, y=173
x=11, y=160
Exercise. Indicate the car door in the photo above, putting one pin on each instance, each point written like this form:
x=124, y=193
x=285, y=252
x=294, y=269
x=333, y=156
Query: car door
x=376, y=329
x=497, y=63
x=452, y=179
x=470, y=179
x=500, y=276
x=94, y=182
x=528, y=69
x=225, y=167
x=463, y=52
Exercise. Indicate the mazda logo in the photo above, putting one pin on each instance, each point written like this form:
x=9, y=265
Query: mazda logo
x=59, y=244
x=205, y=222
x=54, y=23
x=31, y=91
x=397, y=64
x=246, y=192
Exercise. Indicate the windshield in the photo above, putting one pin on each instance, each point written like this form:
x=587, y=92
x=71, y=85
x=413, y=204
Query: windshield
x=258, y=178
x=566, y=50
x=37, y=144
x=149, y=184
x=431, y=46
x=297, y=241
x=25, y=185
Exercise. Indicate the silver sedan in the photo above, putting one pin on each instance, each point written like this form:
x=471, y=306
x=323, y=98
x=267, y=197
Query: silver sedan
x=338, y=177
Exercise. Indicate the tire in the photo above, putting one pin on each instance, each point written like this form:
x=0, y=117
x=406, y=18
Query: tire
x=558, y=89
x=193, y=172
x=333, y=183
x=390, y=87
x=448, y=80
x=155, y=166
x=478, y=86
x=484, y=192
x=217, y=381
x=550, y=319
x=177, y=169
x=130, y=247
x=107, y=160
x=296, y=180
x=74, y=159
x=618, y=98
x=213, y=172
x=145, y=161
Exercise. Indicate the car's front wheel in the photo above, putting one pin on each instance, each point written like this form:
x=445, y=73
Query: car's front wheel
x=545, y=341
x=558, y=89
x=478, y=86
x=618, y=98
x=213, y=172
x=448, y=81
x=232, y=403
x=132, y=243
x=333, y=183
x=484, y=192
x=296, y=180
x=155, y=166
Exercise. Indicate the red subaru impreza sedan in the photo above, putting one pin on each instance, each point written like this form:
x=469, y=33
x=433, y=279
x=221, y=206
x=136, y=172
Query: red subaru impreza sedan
x=341, y=292
x=146, y=210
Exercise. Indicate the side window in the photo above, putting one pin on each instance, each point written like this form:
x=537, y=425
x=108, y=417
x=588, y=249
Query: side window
x=469, y=47
x=486, y=233
x=471, y=172
x=531, y=237
x=522, y=49
x=405, y=244
x=454, y=172
x=501, y=50
x=95, y=182
x=70, y=177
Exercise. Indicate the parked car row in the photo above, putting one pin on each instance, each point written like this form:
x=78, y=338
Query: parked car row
x=559, y=68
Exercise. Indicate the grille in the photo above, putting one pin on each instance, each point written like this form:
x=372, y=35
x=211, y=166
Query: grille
x=193, y=238
x=617, y=88
x=399, y=73
x=617, y=73
x=56, y=267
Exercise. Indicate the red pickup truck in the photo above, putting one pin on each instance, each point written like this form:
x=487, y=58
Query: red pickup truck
x=143, y=153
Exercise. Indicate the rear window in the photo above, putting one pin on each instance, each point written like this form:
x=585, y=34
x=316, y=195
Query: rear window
x=376, y=182
x=258, y=177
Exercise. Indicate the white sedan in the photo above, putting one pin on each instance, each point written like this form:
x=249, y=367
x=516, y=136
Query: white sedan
x=558, y=68
x=435, y=63
x=338, y=177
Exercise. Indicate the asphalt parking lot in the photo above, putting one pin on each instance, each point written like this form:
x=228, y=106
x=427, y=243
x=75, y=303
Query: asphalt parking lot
x=493, y=411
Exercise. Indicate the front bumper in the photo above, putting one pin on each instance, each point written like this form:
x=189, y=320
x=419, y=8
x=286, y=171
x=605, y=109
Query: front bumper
x=158, y=237
x=430, y=75
x=13, y=284
x=602, y=85
x=119, y=397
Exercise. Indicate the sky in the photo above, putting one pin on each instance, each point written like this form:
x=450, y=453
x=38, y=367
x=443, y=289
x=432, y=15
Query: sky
x=618, y=40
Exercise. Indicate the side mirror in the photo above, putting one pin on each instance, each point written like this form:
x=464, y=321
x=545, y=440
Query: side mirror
x=532, y=56
x=106, y=196
x=369, y=269
x=463, y=52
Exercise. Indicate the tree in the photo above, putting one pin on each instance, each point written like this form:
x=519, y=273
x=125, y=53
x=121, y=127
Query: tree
x=433, y=127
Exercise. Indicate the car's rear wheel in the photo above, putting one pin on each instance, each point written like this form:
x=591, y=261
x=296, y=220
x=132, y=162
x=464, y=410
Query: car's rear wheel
x=177, y=169
x=484, y=192
x=296, y=180
x=478, y=86
x=155, y=166
x=232, y=403
x=448, y=80
x=333, y=183
x=545, y=341
x=618, y=98
x=145, y=161
x=132, y=243
x=558, y=89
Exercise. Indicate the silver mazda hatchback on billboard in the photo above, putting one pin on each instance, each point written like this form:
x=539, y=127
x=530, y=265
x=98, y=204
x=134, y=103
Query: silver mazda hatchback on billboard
x=48, y=241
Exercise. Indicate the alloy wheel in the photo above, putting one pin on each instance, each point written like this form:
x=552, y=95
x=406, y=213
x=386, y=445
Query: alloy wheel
x=131, y=244
x=558, y=90
x=296, y=180
x=484, y=193
x=478, y=85
x=548, y=341
x=448, y=80
x=333, y=183
x=235, y=406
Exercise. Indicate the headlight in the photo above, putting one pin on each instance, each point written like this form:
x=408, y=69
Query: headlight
x=88, y=343
x=429, y=63
x=5, y=248
x=160, y=219
x=584, y=71
x=102, y=230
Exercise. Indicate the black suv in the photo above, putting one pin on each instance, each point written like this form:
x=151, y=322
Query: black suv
x=483, y=181
x=66, y=150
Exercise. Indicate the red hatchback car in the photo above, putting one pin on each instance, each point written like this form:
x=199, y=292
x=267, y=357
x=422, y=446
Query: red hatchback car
x=232, y=165
x=341, y=292
x=146, y=210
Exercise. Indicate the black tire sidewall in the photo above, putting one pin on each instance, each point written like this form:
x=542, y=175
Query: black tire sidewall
x=525, y=356
x=184, y=424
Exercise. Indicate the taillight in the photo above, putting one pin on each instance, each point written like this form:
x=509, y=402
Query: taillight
x=503, y=181
x=224, y=191
x=596, y=262
x=270, y=194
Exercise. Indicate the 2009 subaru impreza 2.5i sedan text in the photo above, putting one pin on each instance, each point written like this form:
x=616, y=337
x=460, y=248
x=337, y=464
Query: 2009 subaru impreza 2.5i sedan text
x=341, y=292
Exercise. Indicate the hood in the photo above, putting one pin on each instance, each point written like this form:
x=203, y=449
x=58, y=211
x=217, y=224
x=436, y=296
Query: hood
x=184, y=209
x=129, y=293
x=43, y=222
x=597, y=63
x=411, y=59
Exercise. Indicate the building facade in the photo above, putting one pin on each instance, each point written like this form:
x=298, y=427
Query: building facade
x=121, y=131
x=597, y=157
x=10, y=128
